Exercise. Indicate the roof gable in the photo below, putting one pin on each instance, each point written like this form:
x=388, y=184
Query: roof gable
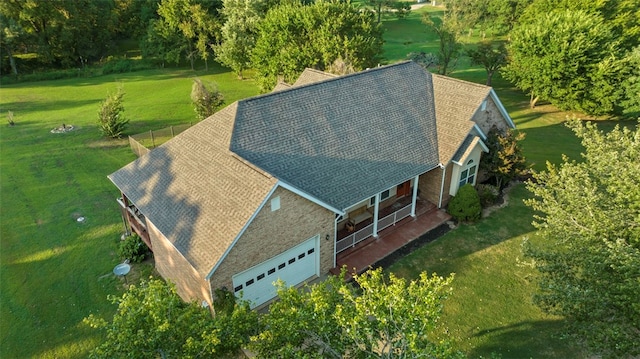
x=187, y=188
x=344, y=139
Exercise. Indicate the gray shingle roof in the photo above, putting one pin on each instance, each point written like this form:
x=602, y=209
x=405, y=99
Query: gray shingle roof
x=344, y=139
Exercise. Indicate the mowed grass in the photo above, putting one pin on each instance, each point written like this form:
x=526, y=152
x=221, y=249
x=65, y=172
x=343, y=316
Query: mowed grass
x=491, y=310
x=54, y=270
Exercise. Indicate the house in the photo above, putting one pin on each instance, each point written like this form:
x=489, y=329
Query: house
x=259, y=190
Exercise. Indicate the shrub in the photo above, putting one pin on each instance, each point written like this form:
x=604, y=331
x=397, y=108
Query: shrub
x=206, y=98
x=465, y=205
x=111, y=121
x=133, y=249
x=488, y=194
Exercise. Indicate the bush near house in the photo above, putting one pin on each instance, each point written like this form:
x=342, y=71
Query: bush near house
x=133, y=249
x=465, y=205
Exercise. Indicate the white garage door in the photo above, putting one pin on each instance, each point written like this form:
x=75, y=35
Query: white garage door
x=293, y=266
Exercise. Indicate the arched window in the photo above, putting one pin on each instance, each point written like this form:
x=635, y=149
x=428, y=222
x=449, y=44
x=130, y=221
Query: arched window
x=468, y=175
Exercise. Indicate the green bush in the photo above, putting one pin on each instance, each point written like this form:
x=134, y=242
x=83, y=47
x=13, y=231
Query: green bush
x=110, y=119
x=488, y=194
x=133, y=249
x=465, y=205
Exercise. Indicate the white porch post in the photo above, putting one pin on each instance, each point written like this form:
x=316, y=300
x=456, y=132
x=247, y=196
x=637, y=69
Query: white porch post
x=375, y=215
x=414, y=196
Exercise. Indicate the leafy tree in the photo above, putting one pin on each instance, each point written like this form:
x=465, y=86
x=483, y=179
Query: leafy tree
x=110, y=119
x=384, y=319
x=631, y=86
x=152, y=321
x=505, y=160
x=465, y=205
x=399, y=8
x=190, y=27
x=66, y=32
x=555, y=57
x=206, y=98
x=490, y=57
x=239, y=33
x=622, y=16
x=294, y=36
x=448, y=46
x=589, y=222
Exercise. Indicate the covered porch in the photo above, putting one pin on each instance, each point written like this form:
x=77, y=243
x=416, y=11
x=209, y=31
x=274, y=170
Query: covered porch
x=408, y=230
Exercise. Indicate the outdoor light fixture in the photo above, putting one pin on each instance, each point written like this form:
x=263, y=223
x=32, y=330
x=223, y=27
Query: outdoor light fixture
x=327, y=237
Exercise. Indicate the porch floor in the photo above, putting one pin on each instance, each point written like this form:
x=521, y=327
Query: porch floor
x=372, y=251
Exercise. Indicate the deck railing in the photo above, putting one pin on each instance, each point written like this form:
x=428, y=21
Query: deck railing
x=366, y=232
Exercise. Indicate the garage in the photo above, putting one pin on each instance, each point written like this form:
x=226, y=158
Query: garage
x=293, y=266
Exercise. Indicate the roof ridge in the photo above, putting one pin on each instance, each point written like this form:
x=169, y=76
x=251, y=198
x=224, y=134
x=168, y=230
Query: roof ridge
x=316, y=83
x=443, y=77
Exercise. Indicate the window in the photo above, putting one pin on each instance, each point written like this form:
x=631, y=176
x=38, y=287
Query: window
x=275, y=204
x=468, y=175
x=383, y=195
x=483, y=107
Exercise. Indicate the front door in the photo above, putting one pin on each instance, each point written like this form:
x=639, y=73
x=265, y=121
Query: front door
x=403, y=189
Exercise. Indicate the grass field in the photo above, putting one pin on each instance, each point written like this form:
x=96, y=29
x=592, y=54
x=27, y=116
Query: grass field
x=54, y=271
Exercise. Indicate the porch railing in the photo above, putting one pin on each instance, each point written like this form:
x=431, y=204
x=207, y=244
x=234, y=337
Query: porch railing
x=366, y=232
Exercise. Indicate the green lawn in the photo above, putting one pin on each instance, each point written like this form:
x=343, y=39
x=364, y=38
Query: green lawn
x=54, y=270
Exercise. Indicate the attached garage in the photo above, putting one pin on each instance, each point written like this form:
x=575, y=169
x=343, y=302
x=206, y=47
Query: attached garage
x=294, y=266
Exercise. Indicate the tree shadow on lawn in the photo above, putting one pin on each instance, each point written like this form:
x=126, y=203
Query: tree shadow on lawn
x=526, y=339
x=442, y=251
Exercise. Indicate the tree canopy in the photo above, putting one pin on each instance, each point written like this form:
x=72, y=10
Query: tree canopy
x=559, y=55
x=589, y=220
x=383, y=319
x=294, y=36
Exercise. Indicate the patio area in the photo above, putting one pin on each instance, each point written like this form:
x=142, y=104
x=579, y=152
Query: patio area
x=393, y=240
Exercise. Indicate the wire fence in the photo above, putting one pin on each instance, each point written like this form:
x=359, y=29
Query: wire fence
x=144, y=142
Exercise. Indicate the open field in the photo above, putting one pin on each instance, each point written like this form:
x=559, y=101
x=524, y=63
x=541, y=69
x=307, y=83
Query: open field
x=54, y=271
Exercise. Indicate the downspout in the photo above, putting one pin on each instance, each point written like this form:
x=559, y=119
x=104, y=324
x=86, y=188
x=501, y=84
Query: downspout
x=375, y=215
x=335, y=242
x=444, y=171
x=414, y=196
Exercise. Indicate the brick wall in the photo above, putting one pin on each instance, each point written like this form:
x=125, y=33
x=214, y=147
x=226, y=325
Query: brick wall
x=430, y=184
x=271, y=233
x=174, y=268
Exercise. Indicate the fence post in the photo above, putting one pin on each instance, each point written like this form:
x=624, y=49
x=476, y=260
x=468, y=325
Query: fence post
x=172, y=135
x=153, y=142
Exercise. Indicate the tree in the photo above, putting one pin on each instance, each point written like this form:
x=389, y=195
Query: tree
x=491, y=58
x=110, y=119
x=589, y=224
x=505, y=160
x=189, y=25
x=400, y=8
x=152, y=321
x=206, y=98
x=554, y=56
x=239, y=33
x=448, y=46
x=383, y=319
x=294, y=36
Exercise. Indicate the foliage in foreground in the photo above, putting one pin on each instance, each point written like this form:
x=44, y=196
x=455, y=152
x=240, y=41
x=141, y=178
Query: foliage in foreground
x=465, y=205
x=590, y=221
x=382, y=319
x=152, y=321
x=110, y=119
